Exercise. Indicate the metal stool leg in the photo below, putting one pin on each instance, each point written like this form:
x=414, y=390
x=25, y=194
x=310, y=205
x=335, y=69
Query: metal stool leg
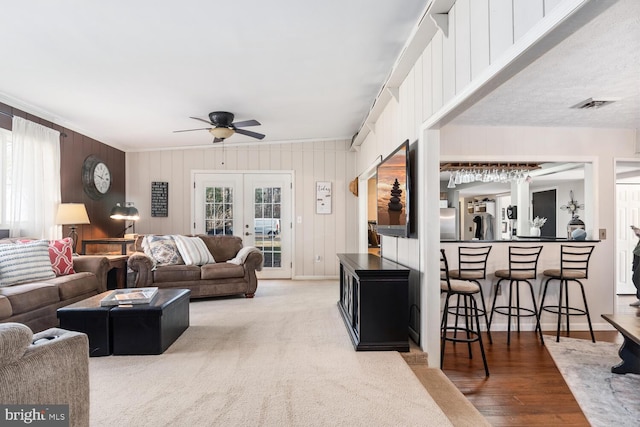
x=535, y=311
x=484, y=356
x=586, y=309
x=484, y=309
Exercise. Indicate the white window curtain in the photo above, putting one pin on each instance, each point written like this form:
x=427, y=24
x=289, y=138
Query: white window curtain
x=35, y=180
x=5, y=170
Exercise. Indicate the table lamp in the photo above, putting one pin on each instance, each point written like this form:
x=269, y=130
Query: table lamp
x=72, y=214
x=126, y=213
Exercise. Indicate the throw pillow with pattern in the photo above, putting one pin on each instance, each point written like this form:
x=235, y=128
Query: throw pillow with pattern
x=61, y=256
x=162, y=249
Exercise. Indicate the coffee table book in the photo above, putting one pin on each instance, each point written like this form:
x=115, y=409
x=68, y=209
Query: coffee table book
x=129, y=296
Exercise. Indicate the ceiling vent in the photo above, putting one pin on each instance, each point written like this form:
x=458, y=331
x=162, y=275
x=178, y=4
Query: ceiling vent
x=593, y=103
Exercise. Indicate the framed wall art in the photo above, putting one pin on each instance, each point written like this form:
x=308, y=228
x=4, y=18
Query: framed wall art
x=323, y=197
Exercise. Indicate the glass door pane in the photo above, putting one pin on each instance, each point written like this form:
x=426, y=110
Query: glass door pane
x=218, y=210
x=267, y=209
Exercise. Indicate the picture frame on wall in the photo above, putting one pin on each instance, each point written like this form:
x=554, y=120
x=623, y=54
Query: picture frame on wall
x=323, y=197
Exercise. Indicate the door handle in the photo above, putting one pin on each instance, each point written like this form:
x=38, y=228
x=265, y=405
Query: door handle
x=247, y=233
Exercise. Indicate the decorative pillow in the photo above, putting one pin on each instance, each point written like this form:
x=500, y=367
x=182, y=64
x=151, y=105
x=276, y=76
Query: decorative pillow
x=193, y=250
x=25, y=262
x=61, y=256
x=162, y=249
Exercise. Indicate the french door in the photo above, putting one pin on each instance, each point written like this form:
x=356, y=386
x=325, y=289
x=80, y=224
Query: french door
x=253, y=206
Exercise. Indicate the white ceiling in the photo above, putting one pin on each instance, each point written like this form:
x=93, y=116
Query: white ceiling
x=129, y=73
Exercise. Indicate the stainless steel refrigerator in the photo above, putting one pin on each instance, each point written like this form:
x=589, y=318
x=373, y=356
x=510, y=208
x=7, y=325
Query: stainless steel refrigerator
x=449, y=224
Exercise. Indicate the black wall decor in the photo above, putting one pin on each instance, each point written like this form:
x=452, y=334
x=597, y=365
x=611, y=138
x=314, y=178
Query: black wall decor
x=159, y=199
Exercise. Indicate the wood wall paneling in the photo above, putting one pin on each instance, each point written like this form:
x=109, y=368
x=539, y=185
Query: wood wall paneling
x=437, y=70
x=525, y=15
x=462, y=49
x=479, y=36
x=500, y=27
x=323, y=235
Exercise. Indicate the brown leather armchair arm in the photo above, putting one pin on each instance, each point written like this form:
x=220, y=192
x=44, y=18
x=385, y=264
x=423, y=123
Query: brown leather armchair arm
x=142, y=266
x=96, y=264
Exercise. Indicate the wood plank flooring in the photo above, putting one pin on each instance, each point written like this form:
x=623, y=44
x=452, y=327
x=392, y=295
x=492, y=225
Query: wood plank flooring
x=525, y=388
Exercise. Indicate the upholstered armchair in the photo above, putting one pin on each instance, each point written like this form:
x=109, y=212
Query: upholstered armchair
x=50, y=367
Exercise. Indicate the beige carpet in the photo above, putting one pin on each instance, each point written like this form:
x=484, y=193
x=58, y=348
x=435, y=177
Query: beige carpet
x=281, y=359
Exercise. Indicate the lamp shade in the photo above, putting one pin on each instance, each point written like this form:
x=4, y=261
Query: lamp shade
x=222, y=132
x=72, y=214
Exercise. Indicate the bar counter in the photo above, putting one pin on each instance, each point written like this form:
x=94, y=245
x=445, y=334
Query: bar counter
x=596, y=289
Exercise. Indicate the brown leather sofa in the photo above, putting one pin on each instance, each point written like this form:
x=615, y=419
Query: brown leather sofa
x=35, y=303
x=208, y=280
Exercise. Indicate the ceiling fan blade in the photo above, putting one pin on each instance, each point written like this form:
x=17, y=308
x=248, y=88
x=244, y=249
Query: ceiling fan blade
x=217, y=140
x=247, y=123
x=202, y=120
x=189, y=130
x=249, y=133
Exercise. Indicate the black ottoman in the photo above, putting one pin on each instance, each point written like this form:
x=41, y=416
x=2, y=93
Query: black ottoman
x=89, y=317
x=150, y=328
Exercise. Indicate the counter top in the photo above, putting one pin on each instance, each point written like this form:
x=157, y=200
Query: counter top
x=525, y=239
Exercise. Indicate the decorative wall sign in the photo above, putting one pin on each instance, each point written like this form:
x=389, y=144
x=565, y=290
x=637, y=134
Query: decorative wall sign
x=323, y=197
x=159, y=199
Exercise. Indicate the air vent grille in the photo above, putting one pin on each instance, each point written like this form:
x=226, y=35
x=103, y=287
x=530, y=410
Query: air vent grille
x=593, y=103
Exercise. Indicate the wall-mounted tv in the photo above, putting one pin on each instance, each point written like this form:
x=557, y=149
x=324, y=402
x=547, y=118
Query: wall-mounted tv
x=393, y=187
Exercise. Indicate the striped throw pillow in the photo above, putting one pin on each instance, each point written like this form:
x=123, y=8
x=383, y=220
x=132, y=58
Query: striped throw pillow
x=26, y=262
x=193, y=250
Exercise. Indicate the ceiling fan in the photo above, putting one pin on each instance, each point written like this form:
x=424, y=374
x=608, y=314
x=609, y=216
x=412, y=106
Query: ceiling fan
x=224, y=127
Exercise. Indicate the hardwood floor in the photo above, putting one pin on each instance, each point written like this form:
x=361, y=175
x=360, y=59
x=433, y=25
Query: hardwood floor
x=525, y=388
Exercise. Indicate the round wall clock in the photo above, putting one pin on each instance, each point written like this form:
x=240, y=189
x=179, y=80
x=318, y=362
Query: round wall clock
x=96, y=178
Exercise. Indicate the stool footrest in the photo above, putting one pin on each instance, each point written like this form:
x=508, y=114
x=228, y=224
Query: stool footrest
x=456, y=338
x=528, y=312
x=571, y=311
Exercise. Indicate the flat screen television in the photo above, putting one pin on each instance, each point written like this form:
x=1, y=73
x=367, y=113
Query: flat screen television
x=393, y=188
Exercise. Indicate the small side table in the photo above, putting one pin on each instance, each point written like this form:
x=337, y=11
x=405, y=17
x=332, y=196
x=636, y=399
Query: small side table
x=107, y=241
x=119, y=263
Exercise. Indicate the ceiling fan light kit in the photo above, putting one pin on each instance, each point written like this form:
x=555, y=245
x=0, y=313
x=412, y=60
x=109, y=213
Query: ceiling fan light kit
x=224, y=127
x=221, y=132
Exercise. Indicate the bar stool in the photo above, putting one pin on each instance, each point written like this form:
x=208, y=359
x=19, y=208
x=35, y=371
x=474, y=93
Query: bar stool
x=469, y=311
x=523, y=267
x=574, y=265
x=472, y=266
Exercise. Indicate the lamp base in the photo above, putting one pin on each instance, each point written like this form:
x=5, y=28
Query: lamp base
x=74, y=239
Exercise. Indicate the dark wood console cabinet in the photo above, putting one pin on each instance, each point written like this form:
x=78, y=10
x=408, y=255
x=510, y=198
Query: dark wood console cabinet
x=373, y=302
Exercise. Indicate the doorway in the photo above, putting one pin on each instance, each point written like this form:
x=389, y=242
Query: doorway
x=253, y=206
x=627, y=214
x=544, y=206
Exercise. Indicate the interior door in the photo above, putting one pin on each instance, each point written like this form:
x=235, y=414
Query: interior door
x=253, y=206
x=544, y=206
x=627, y=214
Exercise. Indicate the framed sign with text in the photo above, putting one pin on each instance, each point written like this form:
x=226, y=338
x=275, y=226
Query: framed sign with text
x=323, y=197
x=159, y=199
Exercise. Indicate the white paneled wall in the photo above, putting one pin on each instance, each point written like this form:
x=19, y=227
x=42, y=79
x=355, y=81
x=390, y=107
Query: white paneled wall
x=323, y=235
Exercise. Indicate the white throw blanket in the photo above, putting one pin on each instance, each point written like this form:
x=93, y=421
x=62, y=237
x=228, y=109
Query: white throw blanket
x=242, y=255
